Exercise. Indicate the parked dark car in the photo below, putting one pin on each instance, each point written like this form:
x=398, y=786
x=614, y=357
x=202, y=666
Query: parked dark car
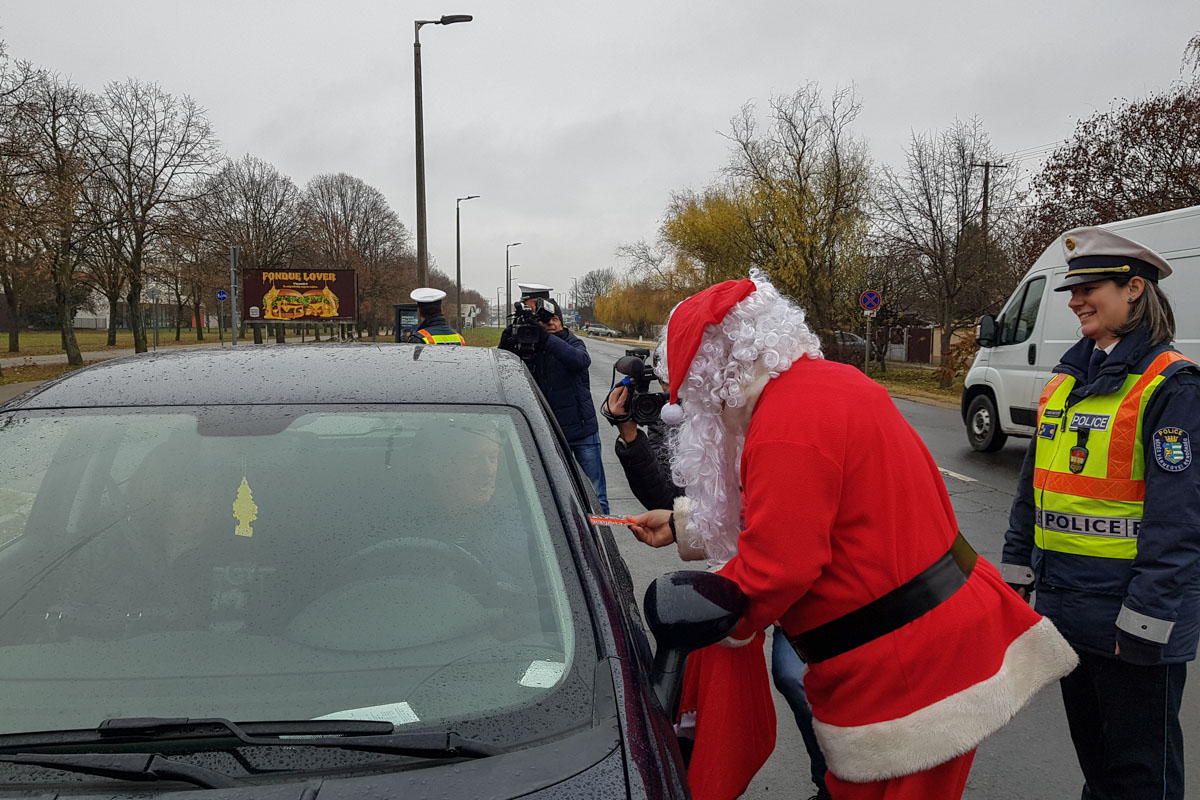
x=324, y=571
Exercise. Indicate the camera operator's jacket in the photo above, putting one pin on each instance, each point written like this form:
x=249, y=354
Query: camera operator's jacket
x=560, y=369
x=647, y=468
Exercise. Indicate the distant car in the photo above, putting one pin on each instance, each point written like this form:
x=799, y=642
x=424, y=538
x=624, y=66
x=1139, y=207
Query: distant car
x=328, y=569
x=596, y=329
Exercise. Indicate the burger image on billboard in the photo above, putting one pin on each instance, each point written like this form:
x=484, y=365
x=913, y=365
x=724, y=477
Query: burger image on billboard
x=288, y=303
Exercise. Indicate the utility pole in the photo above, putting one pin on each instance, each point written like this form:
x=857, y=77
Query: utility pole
x=987, y=195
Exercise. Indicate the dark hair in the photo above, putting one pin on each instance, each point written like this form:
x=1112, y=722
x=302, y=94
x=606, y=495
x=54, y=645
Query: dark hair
x=429, y=309
x=1151, y=310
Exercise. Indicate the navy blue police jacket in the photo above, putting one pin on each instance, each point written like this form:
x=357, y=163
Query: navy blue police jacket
x=436, y=325
x=1164, y=579
x=560, y=369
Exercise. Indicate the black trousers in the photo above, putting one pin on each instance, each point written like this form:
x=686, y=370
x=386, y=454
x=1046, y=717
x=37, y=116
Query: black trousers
x=1124, y=722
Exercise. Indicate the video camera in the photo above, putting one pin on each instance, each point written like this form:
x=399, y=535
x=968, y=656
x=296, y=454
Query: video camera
x=642, y=405
x=527, y=331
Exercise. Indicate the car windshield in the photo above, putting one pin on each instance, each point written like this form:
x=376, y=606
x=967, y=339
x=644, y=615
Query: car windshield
x=272, y=563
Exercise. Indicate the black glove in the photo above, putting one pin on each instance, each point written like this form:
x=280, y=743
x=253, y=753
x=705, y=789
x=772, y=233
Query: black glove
x=508, y=340
x=1136, y=650
x=543, y=335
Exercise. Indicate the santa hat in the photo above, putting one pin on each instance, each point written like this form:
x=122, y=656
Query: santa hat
x=685, y=330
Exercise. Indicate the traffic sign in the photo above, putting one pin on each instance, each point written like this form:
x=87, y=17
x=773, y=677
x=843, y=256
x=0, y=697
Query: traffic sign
x=870, y=300
x=222, y=295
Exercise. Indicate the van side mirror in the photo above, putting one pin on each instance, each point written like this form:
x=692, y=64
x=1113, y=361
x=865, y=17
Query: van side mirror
x=687, y=610
x=987, y=331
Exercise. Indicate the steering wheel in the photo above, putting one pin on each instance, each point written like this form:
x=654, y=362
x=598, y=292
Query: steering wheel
x=423, y=557
x=359, y=613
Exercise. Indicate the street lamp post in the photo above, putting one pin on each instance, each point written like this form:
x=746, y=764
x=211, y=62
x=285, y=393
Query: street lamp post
x=508, y=279
x=422, y=245
x=498, y=307
x=458, y=255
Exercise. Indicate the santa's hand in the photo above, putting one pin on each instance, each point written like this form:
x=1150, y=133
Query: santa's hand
x=653, y=527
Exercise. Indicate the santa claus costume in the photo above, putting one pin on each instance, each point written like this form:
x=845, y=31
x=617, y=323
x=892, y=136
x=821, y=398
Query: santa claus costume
x=825, y=507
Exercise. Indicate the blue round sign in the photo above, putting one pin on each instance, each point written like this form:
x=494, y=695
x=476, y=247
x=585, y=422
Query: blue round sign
x=222, y=295
x=870, y=300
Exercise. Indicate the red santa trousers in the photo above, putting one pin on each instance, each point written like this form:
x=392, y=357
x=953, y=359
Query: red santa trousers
x=943, y=782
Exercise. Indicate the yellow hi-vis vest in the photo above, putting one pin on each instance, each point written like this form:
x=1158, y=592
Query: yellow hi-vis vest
x=1088, y=487
x=441, y=338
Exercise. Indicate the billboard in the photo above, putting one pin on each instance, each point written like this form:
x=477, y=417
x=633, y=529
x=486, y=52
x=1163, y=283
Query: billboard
x=300, y=295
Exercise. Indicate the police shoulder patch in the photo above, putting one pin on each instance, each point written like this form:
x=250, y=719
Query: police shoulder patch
x=1172, y=449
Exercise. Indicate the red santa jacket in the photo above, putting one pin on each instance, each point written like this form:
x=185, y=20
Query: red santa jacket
x=843, y=503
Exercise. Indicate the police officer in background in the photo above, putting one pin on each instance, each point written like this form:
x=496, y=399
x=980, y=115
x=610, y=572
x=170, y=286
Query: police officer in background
x=1106, y=523
x=434, y=328
x=560, y=369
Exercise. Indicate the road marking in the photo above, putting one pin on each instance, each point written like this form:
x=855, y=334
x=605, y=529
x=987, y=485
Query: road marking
x=955, y=475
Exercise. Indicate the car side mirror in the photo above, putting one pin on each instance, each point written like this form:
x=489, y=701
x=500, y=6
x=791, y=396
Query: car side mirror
x=987, y=331
x=686, y=611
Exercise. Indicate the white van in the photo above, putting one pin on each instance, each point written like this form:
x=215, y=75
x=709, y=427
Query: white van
x=1001, y=391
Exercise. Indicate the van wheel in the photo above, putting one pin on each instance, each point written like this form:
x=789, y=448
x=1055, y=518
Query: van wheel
x=983, y=425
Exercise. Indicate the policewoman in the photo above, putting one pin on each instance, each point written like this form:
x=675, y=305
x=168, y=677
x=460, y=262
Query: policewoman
x=1106, y=523
x=434, y=328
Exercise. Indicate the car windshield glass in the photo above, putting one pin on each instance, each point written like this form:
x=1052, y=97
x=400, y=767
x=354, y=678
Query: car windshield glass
x=263, y=562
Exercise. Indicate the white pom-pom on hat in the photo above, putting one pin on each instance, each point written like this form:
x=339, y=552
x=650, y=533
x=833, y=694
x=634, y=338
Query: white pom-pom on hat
x=672, y=414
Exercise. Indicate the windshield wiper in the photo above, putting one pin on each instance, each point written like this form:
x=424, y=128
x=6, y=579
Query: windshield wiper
x=363, y=735
x=127, y=766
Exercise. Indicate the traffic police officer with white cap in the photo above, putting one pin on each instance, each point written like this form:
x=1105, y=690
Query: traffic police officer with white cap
x=434, y=328
x=1106, y=523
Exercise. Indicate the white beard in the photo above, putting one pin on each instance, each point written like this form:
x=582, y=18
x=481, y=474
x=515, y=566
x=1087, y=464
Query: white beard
x=759, y=338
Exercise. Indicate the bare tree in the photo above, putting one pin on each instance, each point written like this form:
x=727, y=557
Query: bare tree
x=53, y=117
x=1140, y=157
x=931, y=214
x=595, y=283
x=349, y=225
x=804, y=184
x=20, y=249
x=153, y=150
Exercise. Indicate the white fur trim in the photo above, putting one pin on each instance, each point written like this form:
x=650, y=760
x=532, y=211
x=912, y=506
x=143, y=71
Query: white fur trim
x=671, y=414
x=729, y=641
x=955, y=725
x=689, y=550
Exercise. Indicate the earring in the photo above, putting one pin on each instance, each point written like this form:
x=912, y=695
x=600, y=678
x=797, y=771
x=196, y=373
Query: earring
x=1131, y=298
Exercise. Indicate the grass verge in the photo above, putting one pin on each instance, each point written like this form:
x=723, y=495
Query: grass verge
x=482, y=337
x=48, y=343
x=36, y=372
x=918, y=383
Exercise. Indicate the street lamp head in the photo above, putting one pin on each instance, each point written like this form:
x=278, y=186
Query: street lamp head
x=450, y=19
x=468, y=197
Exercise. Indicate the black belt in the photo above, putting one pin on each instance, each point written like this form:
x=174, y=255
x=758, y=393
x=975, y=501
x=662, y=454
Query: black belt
x=894, y=610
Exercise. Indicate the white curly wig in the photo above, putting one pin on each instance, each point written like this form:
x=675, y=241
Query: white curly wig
x=763, y=335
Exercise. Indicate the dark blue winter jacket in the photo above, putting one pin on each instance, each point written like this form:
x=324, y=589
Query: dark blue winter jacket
x=560, y=369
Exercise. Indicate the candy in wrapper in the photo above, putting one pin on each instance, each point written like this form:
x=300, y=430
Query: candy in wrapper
x=610, y=520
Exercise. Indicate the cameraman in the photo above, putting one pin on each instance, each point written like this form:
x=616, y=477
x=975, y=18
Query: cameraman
x=559, y=361
x=643, y=456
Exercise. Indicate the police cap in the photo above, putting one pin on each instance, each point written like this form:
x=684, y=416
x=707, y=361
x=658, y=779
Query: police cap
x=427, y=295
x=1095, y=254
x=529, y=290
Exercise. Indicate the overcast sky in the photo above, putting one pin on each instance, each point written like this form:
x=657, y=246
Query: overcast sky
x=575, y=122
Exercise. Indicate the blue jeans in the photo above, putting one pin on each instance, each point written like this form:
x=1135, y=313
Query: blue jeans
x=787, y=671
x=587, y=453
